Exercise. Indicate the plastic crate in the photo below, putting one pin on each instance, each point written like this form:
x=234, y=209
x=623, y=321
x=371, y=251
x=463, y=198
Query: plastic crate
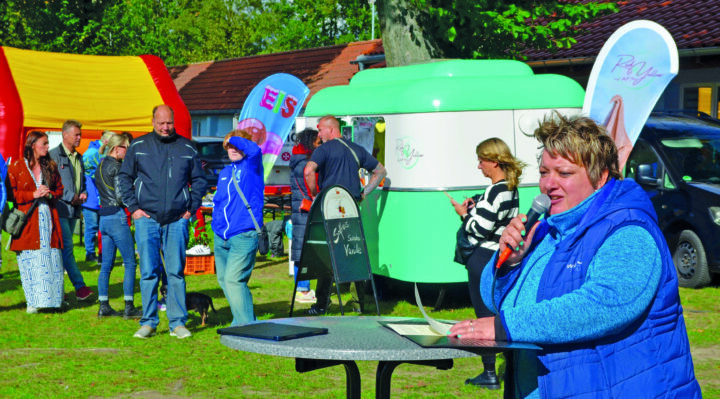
x=199, y=264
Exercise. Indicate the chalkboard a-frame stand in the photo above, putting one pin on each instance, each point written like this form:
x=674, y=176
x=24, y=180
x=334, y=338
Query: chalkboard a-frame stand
x=334, y=243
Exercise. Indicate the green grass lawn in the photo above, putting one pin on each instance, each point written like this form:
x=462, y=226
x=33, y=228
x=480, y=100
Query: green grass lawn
x=75, y=354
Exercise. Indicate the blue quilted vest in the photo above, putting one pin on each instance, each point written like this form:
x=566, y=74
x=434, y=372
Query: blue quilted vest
x=649, y=359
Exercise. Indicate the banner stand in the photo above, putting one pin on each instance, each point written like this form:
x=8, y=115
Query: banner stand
x=335, y=244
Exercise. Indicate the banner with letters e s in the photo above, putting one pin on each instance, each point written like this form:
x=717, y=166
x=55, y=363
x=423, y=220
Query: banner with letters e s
x=269, y=113
x=630, y=74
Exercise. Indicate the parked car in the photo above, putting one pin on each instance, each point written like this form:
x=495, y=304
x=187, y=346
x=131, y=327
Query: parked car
x=213, y=157
x=676, y=159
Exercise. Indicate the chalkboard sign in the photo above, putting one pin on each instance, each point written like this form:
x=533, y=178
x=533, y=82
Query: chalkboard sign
x=334, y=243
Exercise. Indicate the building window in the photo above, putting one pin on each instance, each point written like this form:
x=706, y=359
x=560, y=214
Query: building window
x=196, y=129
x=703, y=98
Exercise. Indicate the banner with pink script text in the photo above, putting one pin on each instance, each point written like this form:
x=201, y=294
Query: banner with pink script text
x=630, y=74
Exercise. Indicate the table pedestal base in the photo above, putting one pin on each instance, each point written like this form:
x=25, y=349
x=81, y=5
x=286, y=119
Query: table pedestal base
x=351, y=372
x=383, y=374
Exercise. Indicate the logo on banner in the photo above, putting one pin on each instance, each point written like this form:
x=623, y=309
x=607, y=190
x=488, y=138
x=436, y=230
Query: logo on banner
x=269, y=113
x=277, y=100
x=634, y=72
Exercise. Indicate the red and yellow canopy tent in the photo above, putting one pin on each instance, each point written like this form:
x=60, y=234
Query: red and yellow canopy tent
x=40, y=90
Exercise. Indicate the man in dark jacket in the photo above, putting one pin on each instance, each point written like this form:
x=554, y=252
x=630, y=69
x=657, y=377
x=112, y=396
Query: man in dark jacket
x=162, y=184
x=70, y=166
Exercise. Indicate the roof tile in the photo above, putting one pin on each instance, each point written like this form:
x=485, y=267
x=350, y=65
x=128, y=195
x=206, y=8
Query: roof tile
x=224, y=84
x=692, y=23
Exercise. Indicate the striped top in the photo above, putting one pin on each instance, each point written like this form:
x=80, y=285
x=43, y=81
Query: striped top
x=492, y=212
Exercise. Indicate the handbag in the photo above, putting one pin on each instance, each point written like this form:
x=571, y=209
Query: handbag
x=305, y=204
x=263, y=239
x=14, y=220
x=463, y=247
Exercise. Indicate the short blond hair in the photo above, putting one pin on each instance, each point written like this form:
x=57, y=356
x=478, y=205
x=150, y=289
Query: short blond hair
x=235, y=133
x=581, y=141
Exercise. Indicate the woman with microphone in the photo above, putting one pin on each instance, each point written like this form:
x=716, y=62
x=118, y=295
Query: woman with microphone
x=593, y=283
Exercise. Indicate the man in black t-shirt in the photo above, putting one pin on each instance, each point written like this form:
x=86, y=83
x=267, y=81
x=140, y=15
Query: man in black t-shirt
x=338, y=161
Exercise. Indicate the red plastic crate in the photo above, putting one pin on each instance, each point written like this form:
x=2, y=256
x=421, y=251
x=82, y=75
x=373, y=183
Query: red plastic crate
x=199, y=264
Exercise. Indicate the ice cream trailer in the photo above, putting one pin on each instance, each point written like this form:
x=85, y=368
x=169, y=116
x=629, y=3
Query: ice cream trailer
x=423, y=122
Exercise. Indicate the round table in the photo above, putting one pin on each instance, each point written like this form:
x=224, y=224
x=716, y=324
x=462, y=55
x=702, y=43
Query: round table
x=352, y=338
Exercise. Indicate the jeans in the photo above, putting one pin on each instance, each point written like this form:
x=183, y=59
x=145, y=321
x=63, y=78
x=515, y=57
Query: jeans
x=170, y=239
x=91, y=217
x=116, y=234
x=68, y=227
x=234, y=263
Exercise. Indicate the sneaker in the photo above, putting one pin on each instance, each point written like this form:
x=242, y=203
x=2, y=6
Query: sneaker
x=83, y=293
x=180, y=332
x=161, y=305
x=144, y=332
x=32, y=310
x=315, y=311
x=91, y=257
x=305, y=296
x=199, y=250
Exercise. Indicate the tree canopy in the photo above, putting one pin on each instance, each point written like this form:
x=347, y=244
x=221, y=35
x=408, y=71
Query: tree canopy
x=417, y=30
x=181, y=31
x=186, y=31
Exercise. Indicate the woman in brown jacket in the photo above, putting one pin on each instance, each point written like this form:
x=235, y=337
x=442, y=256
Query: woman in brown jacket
x=35, y=176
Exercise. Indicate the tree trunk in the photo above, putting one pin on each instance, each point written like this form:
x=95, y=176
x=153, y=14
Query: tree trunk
x=404, y=39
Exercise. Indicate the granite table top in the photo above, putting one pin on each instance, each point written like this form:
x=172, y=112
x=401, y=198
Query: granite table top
x=348, y=338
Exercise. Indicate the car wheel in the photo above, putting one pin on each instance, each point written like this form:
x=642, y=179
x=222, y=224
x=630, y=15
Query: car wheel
x=690, y=261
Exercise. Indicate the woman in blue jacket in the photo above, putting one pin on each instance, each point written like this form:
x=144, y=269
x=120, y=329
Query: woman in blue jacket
x=593, y=284
x=236, y=239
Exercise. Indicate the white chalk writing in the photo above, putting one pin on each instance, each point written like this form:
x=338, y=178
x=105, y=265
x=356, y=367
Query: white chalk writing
x=353, y=249
x=339, y=232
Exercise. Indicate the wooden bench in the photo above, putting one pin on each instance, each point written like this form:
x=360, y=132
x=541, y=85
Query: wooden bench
x=275, y=207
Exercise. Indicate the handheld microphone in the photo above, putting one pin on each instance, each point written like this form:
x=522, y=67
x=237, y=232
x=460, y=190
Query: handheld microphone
x=540, y=205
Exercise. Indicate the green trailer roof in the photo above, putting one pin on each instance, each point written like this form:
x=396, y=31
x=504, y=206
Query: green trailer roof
x=462, y=85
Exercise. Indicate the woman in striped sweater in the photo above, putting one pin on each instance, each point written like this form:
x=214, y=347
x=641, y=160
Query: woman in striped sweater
x=484, y=218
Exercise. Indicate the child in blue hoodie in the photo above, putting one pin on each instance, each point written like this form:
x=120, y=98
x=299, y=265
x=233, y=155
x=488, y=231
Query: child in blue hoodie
x=236, y=237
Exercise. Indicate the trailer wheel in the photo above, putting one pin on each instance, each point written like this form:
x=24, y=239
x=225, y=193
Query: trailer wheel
x=690, y=261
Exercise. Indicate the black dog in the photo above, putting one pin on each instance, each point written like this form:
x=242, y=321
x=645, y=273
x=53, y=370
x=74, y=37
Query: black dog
x=196, y=301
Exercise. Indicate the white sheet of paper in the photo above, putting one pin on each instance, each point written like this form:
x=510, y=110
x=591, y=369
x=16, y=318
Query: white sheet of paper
x=436, y=326
x=413, y=329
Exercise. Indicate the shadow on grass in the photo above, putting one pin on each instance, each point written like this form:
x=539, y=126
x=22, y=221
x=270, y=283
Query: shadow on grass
x=262, y=262
x=10, y=281
x=18, y=306
x=435, y=296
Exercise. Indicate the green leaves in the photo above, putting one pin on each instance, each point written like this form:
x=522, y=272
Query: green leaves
x=181, y=31
x=496, y=29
